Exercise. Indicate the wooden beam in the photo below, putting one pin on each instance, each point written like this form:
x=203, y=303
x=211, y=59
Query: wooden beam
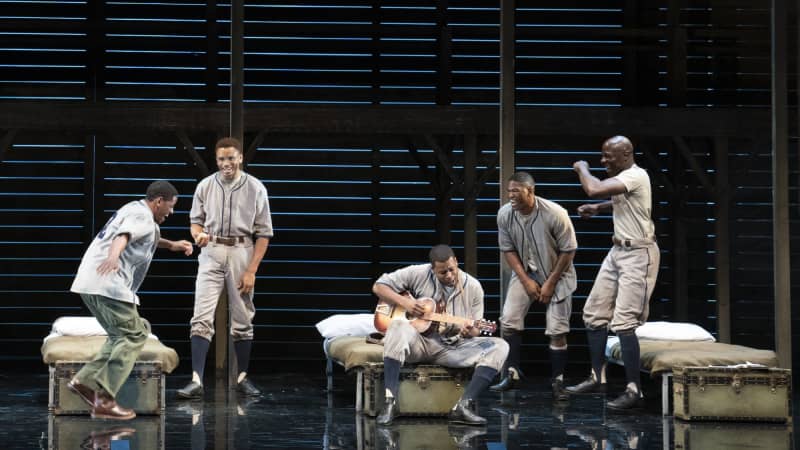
x=250, y=153
x=443, y=159
x=684, y=149
x=380, y=119
x=5, y=143
x=194, y=157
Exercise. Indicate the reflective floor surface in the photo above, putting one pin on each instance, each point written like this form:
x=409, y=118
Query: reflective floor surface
x=296, y=412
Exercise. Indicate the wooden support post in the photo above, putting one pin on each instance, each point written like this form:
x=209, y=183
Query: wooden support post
x=680, y=250
x=780, y=185
x=507, y=115
x=470, y=205
x=88, y=202
x=722, y=241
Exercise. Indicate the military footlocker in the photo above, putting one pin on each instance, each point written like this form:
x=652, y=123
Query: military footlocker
x=77, y=432
x=730, y=436
x=732, y=393
x=143, y=390
x=424, y=390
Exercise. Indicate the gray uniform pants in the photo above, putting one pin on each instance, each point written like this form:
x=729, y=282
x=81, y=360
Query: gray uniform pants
x=516, y=308
x=621, y=292
x=127, y=334
x=405, y=344
x=221, y=266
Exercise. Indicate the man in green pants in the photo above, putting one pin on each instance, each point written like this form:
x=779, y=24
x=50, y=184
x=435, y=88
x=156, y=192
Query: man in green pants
x=111, y=271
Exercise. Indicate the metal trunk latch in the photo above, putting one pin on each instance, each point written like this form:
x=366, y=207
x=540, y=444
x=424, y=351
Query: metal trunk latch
x=701, y=383
x=736, y=383
x=423, y=380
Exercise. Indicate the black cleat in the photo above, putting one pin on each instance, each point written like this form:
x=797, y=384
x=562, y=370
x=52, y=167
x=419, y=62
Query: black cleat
x=462, y=413
x=510, y=381
x=389, y=412
x=192, y=390
x=588, y=386
x=627, y=401
x=247, y=388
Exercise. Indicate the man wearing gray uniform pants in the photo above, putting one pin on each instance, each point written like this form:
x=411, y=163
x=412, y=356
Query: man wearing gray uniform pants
x=538, y=241
x=231, y=222
x=457, y=294
x=621, y=292
x=111, y=271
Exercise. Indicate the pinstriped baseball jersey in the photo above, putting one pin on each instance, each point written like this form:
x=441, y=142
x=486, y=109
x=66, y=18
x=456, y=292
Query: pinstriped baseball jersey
x=632, y=209
x=136, y=220
x=238, y=208
x=539, y=240
x=420, y=281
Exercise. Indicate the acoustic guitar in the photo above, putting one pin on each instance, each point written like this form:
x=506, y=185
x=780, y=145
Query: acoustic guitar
x=385, y=313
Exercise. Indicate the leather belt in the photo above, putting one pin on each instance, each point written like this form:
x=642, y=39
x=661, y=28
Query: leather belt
x=230, y=240
x=632, y=243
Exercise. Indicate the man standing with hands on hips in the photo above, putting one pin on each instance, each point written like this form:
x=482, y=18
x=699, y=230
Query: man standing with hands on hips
x=231, y=222
x=621, y=292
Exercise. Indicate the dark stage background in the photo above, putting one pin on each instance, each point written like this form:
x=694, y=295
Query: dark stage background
x=374, y=126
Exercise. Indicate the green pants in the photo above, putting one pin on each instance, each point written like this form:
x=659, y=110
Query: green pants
x=126, y=336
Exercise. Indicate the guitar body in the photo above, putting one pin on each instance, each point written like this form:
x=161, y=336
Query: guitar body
x=385, y=313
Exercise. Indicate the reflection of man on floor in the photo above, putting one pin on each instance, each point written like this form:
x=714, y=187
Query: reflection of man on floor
x=456, y=293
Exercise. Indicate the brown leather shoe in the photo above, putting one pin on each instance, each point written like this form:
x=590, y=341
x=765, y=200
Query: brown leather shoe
x=105, y=407
x=84, y=392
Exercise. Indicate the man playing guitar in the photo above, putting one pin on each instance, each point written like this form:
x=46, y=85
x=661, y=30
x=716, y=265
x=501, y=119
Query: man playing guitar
x=455, y=344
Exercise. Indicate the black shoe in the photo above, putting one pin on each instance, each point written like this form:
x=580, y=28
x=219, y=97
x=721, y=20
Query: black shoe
x=627, y=401
x=247, y=388
x=191, y=390
x=588, y=386
x=462, y=413
x=559, y=394
x=510, y=381
x=389, y=412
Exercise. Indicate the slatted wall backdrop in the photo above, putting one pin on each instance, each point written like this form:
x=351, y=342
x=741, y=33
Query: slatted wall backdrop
x=348, y=208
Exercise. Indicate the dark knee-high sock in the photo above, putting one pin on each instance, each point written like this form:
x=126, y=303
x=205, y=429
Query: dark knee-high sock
x=630, y=356
x=597, y=349
x=391, y=375
x=558, y=361
x=481, y=379
x=514, y=339
x=199, y=352
x=243, y=349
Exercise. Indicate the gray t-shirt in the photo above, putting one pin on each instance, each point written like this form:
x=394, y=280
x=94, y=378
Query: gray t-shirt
x=632, y=209
x=465, y=300
x=538, y=241
x=240, y=208
x=136, y=220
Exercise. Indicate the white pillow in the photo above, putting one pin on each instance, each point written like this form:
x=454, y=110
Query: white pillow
x=78, y=326
x=673, y=331
x=83, y=326
x=347, y=325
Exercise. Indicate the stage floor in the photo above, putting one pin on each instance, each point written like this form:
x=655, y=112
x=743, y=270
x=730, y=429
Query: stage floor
x=296, y=412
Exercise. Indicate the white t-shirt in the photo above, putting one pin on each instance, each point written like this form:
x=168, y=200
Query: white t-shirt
x=632, y=209
x=136, y=220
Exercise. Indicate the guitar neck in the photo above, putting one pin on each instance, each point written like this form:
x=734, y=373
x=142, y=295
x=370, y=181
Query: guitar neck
x=446, y=318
